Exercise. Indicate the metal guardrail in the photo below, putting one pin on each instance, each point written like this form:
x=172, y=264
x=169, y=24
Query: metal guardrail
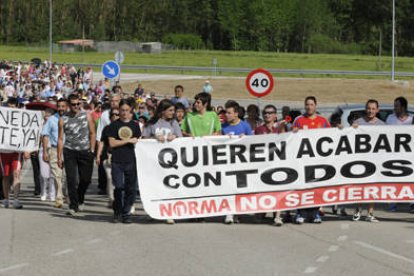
x=247, y=70
x=217, y=70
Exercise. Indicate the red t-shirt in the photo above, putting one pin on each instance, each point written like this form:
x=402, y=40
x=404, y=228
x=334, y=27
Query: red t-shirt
x=264, y=130
x=303, y=121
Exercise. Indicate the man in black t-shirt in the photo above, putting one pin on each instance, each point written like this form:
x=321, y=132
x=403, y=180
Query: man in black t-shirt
x=123, y=135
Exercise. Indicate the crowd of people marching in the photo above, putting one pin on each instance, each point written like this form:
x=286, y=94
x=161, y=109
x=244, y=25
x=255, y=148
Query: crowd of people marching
x=88, y=121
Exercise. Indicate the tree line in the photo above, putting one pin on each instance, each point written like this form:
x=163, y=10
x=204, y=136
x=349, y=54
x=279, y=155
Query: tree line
x=307, y=26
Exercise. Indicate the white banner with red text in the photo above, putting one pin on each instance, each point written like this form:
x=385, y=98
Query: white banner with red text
x=220, y=175
x=20, y=129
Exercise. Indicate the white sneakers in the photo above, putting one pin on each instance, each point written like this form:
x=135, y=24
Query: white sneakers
x=369, y=218
x=132, y=209
x=229, y=219
x=278, y=221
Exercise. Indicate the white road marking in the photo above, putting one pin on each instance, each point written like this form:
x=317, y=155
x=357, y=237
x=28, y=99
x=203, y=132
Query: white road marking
x=63, y=252
x=13, y=267
x=310, y=269
x=342, y=238
x=344, y=226
x=333, y=248
x=322, y=259
x=93, y=241
x=384, y=251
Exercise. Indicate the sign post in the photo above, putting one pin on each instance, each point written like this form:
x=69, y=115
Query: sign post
x=119, y=58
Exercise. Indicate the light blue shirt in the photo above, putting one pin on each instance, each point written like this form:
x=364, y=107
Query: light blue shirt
x=184, y=101
x=46, y=94
x=51, y=129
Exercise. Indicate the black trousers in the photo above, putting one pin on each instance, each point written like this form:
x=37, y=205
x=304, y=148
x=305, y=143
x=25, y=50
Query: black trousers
x=34, y=159
x=1, y=188
x=78, y=168
x=102, y=177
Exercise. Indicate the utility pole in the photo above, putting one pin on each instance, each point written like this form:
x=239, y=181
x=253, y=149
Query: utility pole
x=393, y=42
x=83, y=42
x=380, y=49
x=50, y=32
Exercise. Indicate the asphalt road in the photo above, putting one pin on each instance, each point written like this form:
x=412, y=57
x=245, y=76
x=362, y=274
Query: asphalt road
x=41, y=240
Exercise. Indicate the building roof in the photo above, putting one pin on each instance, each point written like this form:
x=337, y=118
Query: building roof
x=80, y=42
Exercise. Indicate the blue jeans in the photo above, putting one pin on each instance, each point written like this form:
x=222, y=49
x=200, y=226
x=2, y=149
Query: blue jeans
x=124, y=179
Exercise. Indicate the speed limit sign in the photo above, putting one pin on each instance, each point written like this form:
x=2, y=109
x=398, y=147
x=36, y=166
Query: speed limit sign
x=259, y=82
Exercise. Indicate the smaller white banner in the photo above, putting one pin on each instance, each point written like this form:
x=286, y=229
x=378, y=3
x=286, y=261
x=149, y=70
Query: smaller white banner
x=20, y=129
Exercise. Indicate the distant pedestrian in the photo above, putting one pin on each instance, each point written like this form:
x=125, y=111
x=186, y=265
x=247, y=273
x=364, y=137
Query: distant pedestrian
x=208, y=88
x=179, y=97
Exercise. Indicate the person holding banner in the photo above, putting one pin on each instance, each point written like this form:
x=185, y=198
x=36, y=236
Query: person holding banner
x=11, y=164
x=234, y=126
x=163, y=126
x=370, y=119
x=270, y=126
x=400, y=117
x=76, y=145
x=202, y=121
x=309, y=120
x=123, y=135
x=1, y=188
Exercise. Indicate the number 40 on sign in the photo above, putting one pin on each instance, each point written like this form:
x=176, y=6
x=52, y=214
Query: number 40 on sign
x=259, y=82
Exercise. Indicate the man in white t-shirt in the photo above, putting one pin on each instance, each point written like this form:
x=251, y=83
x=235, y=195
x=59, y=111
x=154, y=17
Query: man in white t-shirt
x=370, y=119
x=400, y=117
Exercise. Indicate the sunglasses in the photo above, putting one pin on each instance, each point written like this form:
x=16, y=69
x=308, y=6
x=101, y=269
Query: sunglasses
x=75, y=104
x=114, y=114
x=268, y=113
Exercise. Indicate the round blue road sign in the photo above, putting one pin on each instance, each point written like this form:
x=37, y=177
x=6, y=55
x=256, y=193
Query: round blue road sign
x=110, y=69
